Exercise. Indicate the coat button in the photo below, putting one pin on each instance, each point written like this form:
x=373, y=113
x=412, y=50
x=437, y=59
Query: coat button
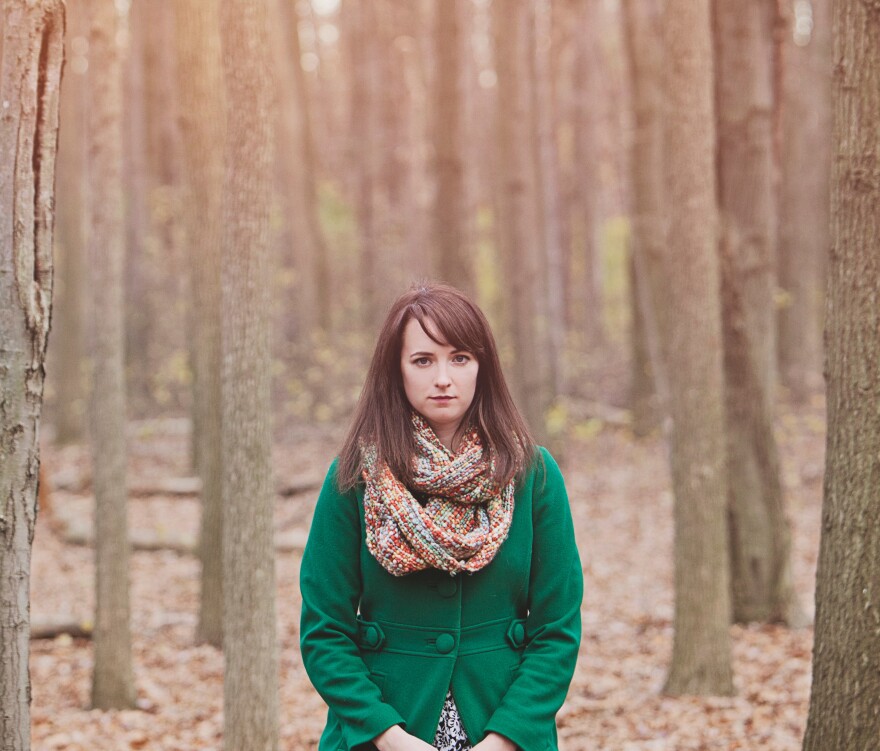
x=445, y=643
x=371, y=636
x=448, y=586
x=519, y=634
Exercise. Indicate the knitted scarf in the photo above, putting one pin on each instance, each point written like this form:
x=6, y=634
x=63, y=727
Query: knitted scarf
x=462, y=520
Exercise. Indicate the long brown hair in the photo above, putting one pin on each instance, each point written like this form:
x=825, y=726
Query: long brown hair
x=382, y=415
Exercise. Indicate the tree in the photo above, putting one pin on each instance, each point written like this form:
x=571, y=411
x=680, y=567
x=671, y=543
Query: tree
x=31, y=55
x=846, y=658
x=804, y=194
x=689, y=273
x=643, y=36
x=759, y=535
x=112, y=678
x=203, y=130
x=452, y=261
x=250, y=703
x=67, y=363
x=516, y=221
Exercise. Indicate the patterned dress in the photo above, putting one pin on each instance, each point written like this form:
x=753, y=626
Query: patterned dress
x=450, y=734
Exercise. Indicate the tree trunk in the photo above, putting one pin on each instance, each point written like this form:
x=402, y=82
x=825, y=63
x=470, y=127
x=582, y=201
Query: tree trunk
x=452, y=261
x=250, y=703
x=689, y=274
x=804, y=195
x=846, y=658
x=644, y=49
x=548, y=199
x=68, y=360
x=199, y=76
x=31, y=54
x=587, y=224
x=364, y=149
x=517, y=200
x=760, y=539
x=112, y=679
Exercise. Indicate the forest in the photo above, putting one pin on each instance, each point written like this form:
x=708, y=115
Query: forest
x=669, y=211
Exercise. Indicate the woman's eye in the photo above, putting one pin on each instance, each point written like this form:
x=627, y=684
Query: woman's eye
x=422, y=361
x=461, y=359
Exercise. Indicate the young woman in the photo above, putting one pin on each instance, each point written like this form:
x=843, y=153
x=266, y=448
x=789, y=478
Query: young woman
x=441, y=583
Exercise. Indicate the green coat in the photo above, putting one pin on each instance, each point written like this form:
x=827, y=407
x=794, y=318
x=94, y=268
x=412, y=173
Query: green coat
x=383, y=650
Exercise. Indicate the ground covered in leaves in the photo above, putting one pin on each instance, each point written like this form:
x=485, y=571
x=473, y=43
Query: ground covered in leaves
x=621, y=500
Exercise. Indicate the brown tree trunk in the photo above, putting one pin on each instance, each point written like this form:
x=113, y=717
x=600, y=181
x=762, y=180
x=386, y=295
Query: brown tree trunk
x=112, y=679
x=364, y=150
x=250, y=703
x=760, y=539
x=452, y=259
x=517, y=200
x=587, y=224
x=689, y=274
x=67, y=356
x=846, y=658
x=31, y=54
x=643, y=36
x=805, y=198
x=199, y=76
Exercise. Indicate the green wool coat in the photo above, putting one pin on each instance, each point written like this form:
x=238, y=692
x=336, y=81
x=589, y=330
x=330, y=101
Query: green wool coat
x=383, y=650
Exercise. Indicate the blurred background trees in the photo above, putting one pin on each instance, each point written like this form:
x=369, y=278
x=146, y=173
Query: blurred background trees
x=625, y=242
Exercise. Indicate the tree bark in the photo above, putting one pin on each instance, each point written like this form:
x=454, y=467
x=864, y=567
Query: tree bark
x=250, y=703
x=690, y=275
x=112, y=678
x=846, y=658
x=517, y=200
x=200, y=81
x=805, y=198
x=643, y=36
x=452, y=259
x=759, y=535
x=66, y=366
x=31, y=54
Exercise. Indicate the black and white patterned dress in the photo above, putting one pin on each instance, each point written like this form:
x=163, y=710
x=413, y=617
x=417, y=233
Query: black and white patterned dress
x=450, y=734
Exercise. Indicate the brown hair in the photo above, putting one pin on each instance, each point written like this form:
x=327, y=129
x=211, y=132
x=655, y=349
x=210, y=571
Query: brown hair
x=382, y=415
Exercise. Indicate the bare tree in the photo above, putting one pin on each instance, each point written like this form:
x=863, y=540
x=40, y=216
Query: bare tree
x=846, y=658
x=690, y=275
x=452, y=261
x=760, y=538
x=112, y=678
x=250, y=704
x=31, y=54
x=516, y=221
x=805, y=199
x=200, y=80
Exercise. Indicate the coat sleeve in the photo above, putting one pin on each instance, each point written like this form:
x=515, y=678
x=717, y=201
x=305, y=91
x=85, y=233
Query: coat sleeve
x=330, y=582
x=553, y=624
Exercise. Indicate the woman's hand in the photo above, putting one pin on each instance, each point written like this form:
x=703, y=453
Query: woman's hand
x=495, y=742
x=397, y=739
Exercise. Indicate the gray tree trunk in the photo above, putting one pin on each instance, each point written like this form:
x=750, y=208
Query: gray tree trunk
x=250, y=688
x=805, y=198
x=112, y=678
x=846, y=657
x=516, y=221
x=200, y=80
x=31, y=54
x=760, y=538
x=452, y=259
x=690, y=275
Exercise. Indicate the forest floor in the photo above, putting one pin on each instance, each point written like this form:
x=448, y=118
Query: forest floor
x=622, y=505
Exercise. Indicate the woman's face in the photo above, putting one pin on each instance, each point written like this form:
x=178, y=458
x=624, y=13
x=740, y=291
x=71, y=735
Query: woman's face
x=439, y=380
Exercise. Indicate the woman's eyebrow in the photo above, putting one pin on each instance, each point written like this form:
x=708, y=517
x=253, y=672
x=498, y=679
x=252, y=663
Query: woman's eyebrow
x=421, y=354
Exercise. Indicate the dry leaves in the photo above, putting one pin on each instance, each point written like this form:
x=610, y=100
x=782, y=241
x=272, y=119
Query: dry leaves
x=622, y=507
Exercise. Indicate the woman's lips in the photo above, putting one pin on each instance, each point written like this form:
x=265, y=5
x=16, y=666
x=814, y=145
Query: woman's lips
x=441, y=398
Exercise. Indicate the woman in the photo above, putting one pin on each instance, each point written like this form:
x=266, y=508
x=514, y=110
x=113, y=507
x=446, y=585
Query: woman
x=441, y=583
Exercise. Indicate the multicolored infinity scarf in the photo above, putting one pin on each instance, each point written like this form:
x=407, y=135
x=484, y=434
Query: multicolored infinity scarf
x=462, y=520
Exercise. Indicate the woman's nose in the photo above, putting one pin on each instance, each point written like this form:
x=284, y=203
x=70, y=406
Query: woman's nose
x=441, y=379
